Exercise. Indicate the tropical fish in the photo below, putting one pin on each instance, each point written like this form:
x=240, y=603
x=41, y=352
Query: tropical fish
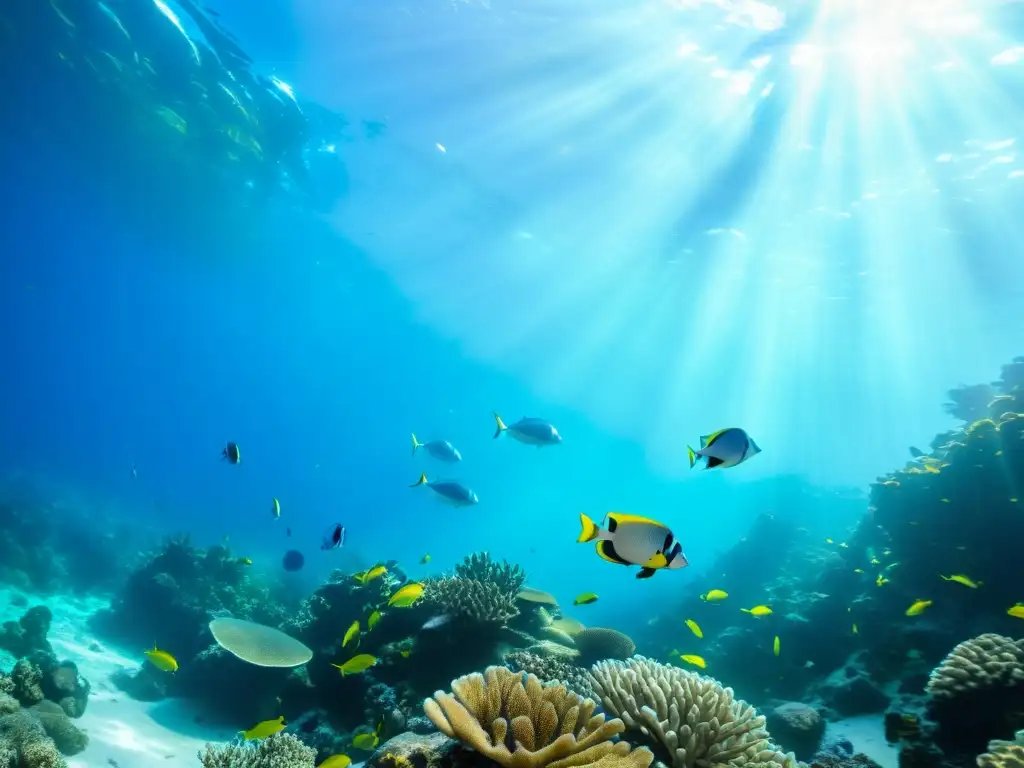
x=336, y=761
x=231, y=453
x=437, y=622
x=334, y=537
x=449, y=491
x=714, y=595
x=425, y=559
x=634, y=540
x=843, y=545
x=758, y=610
x=829, y=541
x=372, y=621
x=1017, y=611
x=441, y=450
x=918, y=607
x=405, y=654
x=244, y=560
x=356, y=664
x=776, y=646
x=585, y=599
x=264, y=729
x=406, y=596
x=858, y=570
x=365, y=577
x=275, y=509
x=162, y=660
x=694, y=627
x=881, y=580
x=692, y=658
x=529, y=431
x=352, y=633
x=368, y=741
x=959, y=578
x=855, y=629
x=724, y=448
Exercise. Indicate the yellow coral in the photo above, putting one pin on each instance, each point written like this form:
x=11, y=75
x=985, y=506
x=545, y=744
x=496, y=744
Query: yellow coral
x=528, y=725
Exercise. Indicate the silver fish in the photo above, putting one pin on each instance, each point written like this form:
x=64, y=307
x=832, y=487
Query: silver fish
x=450, y=492
x=529, y=431
x=441, y=450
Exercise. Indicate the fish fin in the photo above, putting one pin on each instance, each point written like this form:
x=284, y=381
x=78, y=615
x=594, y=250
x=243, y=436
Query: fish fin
x=499, y=426
x=421, y=481
x=590, y=530
x=691, y=455
x=618, y=518
x=657, y=560
x=707, y=440
x=415, y=444
x=714, y=461
x=606, y=551
x=645, y=573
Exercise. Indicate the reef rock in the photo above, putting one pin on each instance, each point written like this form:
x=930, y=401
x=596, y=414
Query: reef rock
x=796, y=727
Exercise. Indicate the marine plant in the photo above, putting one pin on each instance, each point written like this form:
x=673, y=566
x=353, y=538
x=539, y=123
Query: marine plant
x=519, y=723
x=696, y=721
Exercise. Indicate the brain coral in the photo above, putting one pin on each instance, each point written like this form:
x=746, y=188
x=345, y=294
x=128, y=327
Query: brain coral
x=598, y=643
x=984, y=662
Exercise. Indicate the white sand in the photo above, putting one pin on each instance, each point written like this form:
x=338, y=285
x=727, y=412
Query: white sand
x=867, y=734
x=122, y=732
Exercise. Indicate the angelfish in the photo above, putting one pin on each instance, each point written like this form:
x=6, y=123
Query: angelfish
x=529, y=431
x=449, y=491
x=724, y=448
x=634, y=540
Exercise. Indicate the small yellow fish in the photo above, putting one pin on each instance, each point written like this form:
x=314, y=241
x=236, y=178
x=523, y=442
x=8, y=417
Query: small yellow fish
x=374, y=573
x=829, y=541
x=694, y=627
x=1013, y=500
x=162, y=660
x=881, y=580
x=244, y=561
x=918, y=607
x=758, y=610
x=776, y=646
x=356, y=664
x=855, y=629
x=351, y=633
x=714, y=595
x=275, y=509
x=858, y=570
x=697, y=661
x=336, y=761
x=366, y=741
x=405, y=654
x=406, y=596
x=425, y=559
x=264, y=729
x=959, y=578
x=372, y=621
x=875, y=561
x=1016, y=611
x=585, y=599
x=944, y=501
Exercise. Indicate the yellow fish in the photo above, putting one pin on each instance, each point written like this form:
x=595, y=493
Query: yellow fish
x=406, y=596
x=775, y=646
x=881, y=580
x=336, y=761
x=714, y=595
x=858, y=570
x=162, y=660
x=405, y=654
x=697, y=661
x=758, y=610
x=918, y=607
x=875, y=561
x=351, y=633
x=425, y=559
x=959, y=578
x=264, y=729
x=694, y=627
x=244, y=561
x=374, y=573
x=585, y=599
x=855, y=629
x=356, y=664
x=1017, y=611
x=275, y=509
x=372, y=621
x=366, y=741
x=829, y=541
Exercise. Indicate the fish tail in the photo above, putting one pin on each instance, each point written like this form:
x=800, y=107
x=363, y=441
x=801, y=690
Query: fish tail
x=415, y=444
x=590, y=530
x=691, y=455
x=421, y=481
x=746, y=610
x=500, y=426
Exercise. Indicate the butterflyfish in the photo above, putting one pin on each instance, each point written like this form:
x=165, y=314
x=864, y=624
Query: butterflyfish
x=634, y=540
x=724, y=448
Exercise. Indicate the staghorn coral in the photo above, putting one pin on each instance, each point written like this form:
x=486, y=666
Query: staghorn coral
x=548, y=726
x=694, y=718
x=984, y=662
x=480, y=567
x=479, y=601
x=281, y=750
x=597, y=643
x=550, y=670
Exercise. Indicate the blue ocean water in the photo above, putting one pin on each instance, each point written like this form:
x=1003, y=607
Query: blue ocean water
x=643, y=222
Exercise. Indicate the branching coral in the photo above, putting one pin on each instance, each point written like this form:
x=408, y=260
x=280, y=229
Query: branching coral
x=984, y=662
x=1004, y=754
x=528, y=725
x=281, y=750
x=694, y=718
x=550, y=670
x=480, y=567
x=480, y=601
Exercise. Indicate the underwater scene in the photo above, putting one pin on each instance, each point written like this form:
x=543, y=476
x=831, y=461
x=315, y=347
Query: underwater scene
x=512, y=384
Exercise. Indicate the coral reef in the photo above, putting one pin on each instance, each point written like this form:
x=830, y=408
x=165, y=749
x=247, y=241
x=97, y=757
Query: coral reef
x=482, y=602
x=598, y=643
x=24, y=742
x=281, y=750
x=1003, y=754
x=982, y=664
x=797, y=725
x=693, y=719
x=547, y=726
x=549, y=669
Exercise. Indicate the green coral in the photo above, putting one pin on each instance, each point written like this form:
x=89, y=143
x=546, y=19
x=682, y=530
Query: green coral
x=282, y=750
